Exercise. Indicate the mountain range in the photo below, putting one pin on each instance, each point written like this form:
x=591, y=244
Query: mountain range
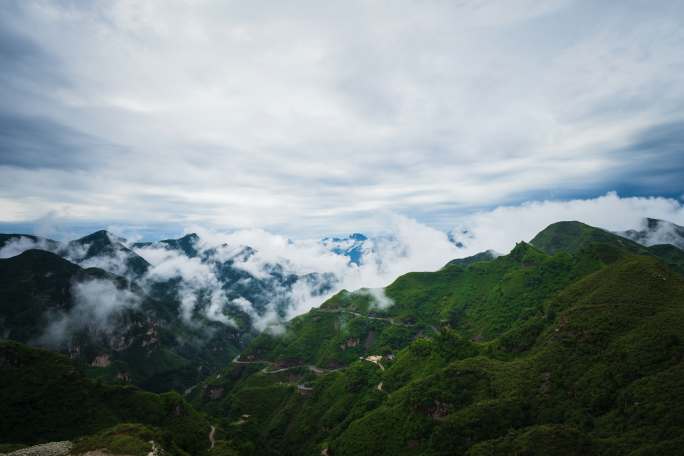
x=572, y=343
x=160, y=327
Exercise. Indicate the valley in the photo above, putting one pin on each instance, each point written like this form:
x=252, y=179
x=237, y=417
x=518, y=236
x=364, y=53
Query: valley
x=569, y=344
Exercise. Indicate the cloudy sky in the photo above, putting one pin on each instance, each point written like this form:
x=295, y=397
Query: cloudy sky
x=311, y=118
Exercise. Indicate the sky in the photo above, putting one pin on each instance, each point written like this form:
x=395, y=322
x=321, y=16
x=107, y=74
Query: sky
x=310, y=118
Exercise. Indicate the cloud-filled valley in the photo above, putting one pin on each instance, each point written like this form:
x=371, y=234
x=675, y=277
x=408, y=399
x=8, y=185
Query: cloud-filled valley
x=407, y=227
x=269, y=278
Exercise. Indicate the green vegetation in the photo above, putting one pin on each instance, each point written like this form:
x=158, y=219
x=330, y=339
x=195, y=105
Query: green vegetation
x=148, y=345
x=129, y=439
x=44, y=397
x=570, y=345
x=571, y=237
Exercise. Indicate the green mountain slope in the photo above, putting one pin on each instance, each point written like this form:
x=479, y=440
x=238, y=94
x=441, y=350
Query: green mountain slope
x=482, y=301
x=599, y=379
x=670, y=254
x=572, y=236
x=37, y=282
x=141, y=341
x=482, y=256
x=43, y=397
x=571, y=346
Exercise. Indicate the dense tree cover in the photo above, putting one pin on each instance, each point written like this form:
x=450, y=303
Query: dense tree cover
x=147, y=344
x=570, y=345
x=44, y=397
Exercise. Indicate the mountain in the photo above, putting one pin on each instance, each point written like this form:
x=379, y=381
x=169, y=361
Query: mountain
x=571, y=236
x=106, y=251
x=571, y=344
x=186, y=244
x=352, y=246
x=100, y=249
x=107, y=323
x=13, y=244
x=156, y=327
x=34, y=285
x=654, y=231
x=259, y=287
x=487, y=255
x=44, y=397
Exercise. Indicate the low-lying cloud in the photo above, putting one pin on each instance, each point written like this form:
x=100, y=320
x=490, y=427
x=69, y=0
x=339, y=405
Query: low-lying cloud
x=500, y=228
x=272, y=278
x=20, y=244
x=379, y=299
x=97, y=303
x=196, y=279
x=405, y=246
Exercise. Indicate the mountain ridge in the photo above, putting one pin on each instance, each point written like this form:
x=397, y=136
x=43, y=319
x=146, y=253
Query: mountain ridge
x=431, y=394
x=570, y=344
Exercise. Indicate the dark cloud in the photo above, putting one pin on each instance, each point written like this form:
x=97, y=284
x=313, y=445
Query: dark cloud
x=35, y=142
x=15, y=48
x=655, y=159
x=302, y=117
x=22, y=58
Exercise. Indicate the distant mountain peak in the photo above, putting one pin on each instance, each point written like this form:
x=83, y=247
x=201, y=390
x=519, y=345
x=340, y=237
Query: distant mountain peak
x=102, y=237
x=98, y=248
x=487, y=255
x=655, y=231
x=571, y=236
x=187, y=244
x=351, y=246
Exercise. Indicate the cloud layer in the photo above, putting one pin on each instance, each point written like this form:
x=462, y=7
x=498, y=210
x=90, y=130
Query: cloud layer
x=501, y=228
x=310, y=119
x=272, y=278
x=97, y=303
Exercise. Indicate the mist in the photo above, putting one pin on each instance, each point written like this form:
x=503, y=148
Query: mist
x=293, y=276
x=96, y=305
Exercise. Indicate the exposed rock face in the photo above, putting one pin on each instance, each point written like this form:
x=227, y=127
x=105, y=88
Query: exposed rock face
x=45, y=449
x=439, y=410
x=101, y=361
x=350, y=343
x=215, y=392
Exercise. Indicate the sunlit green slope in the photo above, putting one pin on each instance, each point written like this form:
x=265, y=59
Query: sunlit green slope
x=572, y=345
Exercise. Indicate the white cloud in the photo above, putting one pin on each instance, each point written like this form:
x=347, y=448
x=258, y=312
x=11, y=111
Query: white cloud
x=660, y=233
x=101, y=298
x=196, y=278
x=379, y=299
x=405, y=245
x=20, y=244
x=96, y=304
x=501, y=228
x=300, y=117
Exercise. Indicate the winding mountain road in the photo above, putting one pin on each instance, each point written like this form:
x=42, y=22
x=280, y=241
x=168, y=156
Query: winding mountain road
x=315, y=369
x=212, y=440
x=389, y=320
